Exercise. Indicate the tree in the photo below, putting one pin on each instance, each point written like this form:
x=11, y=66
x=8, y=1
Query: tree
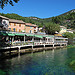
x=51, y=28
x=69, y=35
x=4, y=2
x=73, y=25
x=56, y=19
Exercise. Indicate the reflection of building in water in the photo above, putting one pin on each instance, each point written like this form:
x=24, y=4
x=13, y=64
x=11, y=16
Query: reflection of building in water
x=62, y=56
x=53, y=54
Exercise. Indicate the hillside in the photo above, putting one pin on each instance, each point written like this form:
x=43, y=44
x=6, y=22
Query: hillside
x=67, y=19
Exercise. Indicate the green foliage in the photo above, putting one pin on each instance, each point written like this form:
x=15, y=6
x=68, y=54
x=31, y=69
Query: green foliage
x=74, y=32
x=73, y=25
x=72, y=64
x=4, y=2
x=56, y=19
x=52, y=27
x=37, y=21
x=70, y=46
x=2, y=72
x=66, y=19
x=69, y=35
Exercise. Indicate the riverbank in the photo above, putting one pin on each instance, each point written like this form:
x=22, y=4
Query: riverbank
x=13, y=53
x=70, y=46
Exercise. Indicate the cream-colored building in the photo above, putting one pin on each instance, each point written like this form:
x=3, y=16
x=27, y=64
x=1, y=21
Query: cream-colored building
x=16, y=25
x=20, y=26
x=62, y=29
x=30, y=28
x=70, y=30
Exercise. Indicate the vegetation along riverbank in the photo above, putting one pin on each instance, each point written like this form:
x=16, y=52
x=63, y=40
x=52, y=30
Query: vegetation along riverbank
x=70, y=46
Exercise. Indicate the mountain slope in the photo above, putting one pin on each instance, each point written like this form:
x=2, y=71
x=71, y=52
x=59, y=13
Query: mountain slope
x=67, y=19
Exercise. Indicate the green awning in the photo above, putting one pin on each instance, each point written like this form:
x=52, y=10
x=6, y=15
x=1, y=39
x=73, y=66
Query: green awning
x=39, y=36
x=49, y=36
x=10, y=34
x=29, y=35
x=19, y=34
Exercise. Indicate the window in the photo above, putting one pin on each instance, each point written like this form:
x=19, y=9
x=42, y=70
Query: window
x=0, y=20
x=30, y=27
x=14, y=29
x=30, y=31
x=19, y=25
x=9, y=28
x=9, y=24
x=19, y=30
x=14, y=24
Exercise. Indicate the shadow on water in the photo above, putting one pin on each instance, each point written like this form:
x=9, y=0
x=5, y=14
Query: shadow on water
x=4, y=67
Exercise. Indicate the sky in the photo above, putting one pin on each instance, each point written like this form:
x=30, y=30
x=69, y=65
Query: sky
x=39, y=8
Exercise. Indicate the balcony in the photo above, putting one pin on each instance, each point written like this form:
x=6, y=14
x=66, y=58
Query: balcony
x=60, y=41
x=60, y=38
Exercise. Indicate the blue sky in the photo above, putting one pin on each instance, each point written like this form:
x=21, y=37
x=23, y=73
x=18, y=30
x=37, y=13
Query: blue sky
x=40, y=8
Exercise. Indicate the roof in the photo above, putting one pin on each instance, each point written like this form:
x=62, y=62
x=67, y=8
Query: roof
x=57, y=34
x=16, y=21
x=30, y=24
x=4, y=17
x=69, y=29
x=62, y=27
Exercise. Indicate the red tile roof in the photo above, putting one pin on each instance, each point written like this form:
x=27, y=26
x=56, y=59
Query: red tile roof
x=16, y=21
x=30, y=24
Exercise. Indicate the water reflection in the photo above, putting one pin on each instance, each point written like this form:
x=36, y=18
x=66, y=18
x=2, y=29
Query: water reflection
x=19, y=55
x=51, y=62
x=53, y=54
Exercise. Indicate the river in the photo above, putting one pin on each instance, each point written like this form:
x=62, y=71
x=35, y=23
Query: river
x=52, y=62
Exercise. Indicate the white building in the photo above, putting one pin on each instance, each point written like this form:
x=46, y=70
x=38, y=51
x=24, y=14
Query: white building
x=70, y=30
x=4, y=22
x=62, y=29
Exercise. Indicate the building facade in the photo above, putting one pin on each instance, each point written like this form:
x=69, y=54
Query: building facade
x=16, y=25
x=70, y=30
x=62, y=29
x=4, y=22
x=30, y=28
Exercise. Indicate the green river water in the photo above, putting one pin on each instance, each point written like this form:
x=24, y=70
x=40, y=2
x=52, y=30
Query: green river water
x=52, y=62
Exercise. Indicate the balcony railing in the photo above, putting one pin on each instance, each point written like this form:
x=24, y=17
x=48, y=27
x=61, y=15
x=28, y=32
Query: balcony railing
x=60, y=41
x=60, y=38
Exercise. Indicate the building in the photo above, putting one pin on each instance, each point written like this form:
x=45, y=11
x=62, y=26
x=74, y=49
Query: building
x=35, y=28
x=31, y=28
x=70, y=30
x=4, y=22
x=59, y=39
x=16, y=25
x=62, y=29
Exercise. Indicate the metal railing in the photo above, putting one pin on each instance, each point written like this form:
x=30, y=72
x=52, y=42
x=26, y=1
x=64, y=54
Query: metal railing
x=60, y=38
x=60, y=41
